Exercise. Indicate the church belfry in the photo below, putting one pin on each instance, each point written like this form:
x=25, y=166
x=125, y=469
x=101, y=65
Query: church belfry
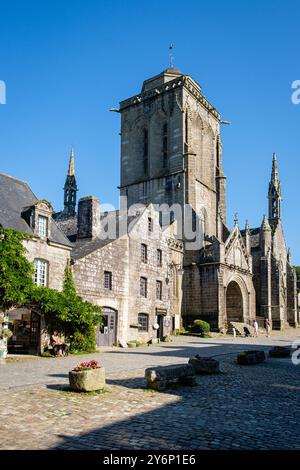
x=274, y=195
x=171, y=150
x=70, y=189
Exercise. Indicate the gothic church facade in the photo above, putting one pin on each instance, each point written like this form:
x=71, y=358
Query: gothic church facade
x=171, y=153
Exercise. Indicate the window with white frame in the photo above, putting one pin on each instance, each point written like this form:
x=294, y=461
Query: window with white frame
x=41, y=272
x=42, y=226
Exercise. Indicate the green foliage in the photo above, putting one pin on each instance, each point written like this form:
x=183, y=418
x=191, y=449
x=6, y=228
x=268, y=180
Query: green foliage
x=68, y=313
x=82, y=342
x=15, y=270
x=69, y=285
x=64, y=311
x=201, y=326
x=47, y=353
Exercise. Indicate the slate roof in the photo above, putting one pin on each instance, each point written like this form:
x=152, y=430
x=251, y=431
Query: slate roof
x=254, y=236
x=85, y=246
x=15, y=195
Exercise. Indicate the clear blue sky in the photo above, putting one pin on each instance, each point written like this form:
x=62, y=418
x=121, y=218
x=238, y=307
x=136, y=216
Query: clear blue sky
x=65, y=63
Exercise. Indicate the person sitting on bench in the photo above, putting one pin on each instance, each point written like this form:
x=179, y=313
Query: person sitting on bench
x=59, y=347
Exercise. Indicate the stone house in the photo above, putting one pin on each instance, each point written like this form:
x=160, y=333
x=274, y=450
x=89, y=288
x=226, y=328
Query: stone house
x=48, y=248
x=134, y=271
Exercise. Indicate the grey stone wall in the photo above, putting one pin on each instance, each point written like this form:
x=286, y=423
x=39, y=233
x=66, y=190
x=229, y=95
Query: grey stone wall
x=122, y=257
x=58, y=257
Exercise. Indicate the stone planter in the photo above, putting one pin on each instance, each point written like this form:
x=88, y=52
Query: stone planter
x=131, y=344
x=204, y=365
x=251, y=357
x=87, y=380
x=3, y=353
x=279, y=351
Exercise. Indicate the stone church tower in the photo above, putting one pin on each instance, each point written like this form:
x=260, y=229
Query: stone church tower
x=171, y=153
x=171, y=149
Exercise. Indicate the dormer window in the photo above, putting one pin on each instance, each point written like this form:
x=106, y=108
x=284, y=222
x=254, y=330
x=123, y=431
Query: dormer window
x=42, y=226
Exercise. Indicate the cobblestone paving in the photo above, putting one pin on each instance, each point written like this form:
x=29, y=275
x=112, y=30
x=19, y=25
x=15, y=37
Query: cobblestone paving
x=254, y=407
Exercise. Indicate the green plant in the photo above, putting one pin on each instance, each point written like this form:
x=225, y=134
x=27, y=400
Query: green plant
x=201, y=326
x=15, y=270
x=68, y=313
x=46, y=353
x=64, y=311
x=82, y=343
x=7, y=334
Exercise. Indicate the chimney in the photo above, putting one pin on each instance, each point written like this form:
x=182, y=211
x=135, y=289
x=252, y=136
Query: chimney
x=88, y=218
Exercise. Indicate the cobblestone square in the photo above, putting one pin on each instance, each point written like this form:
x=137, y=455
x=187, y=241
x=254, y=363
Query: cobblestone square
x=244, y=407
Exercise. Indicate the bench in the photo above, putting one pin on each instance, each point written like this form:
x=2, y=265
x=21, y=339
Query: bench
x=158, y=378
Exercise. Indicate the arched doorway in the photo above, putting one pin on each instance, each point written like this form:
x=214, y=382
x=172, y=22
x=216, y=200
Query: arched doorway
x=107, y=332
x=234, y=303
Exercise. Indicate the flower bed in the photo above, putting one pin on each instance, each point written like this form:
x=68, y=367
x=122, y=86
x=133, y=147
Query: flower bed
x=87, y=377
x=251, y=357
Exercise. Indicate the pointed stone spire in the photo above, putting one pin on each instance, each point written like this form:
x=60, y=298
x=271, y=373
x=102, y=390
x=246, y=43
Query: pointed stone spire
x=274, y=176
x=71, y=171
x=274, y=194
x=289, y=256
x=265, y=226
x=265, y=237
x=236, y=219
x=70, y=189
x=247, y=237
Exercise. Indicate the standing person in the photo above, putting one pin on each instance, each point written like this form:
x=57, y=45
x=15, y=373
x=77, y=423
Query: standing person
x=267, y=327
x=255, y=326
x=234, y=332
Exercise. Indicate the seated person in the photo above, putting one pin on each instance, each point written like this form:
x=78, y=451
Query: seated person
x=59, y=347
x=246, y=331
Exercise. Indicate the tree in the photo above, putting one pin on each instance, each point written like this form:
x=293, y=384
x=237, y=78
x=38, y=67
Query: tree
x=15, y=270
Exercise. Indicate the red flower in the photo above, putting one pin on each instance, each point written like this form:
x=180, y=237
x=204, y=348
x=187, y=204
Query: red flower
x=87, y=365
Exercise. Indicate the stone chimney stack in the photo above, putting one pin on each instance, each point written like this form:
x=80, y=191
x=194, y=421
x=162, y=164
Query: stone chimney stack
x=88, y=217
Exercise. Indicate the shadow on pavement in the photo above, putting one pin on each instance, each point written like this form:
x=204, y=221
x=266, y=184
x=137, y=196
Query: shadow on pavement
x=246, y=408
